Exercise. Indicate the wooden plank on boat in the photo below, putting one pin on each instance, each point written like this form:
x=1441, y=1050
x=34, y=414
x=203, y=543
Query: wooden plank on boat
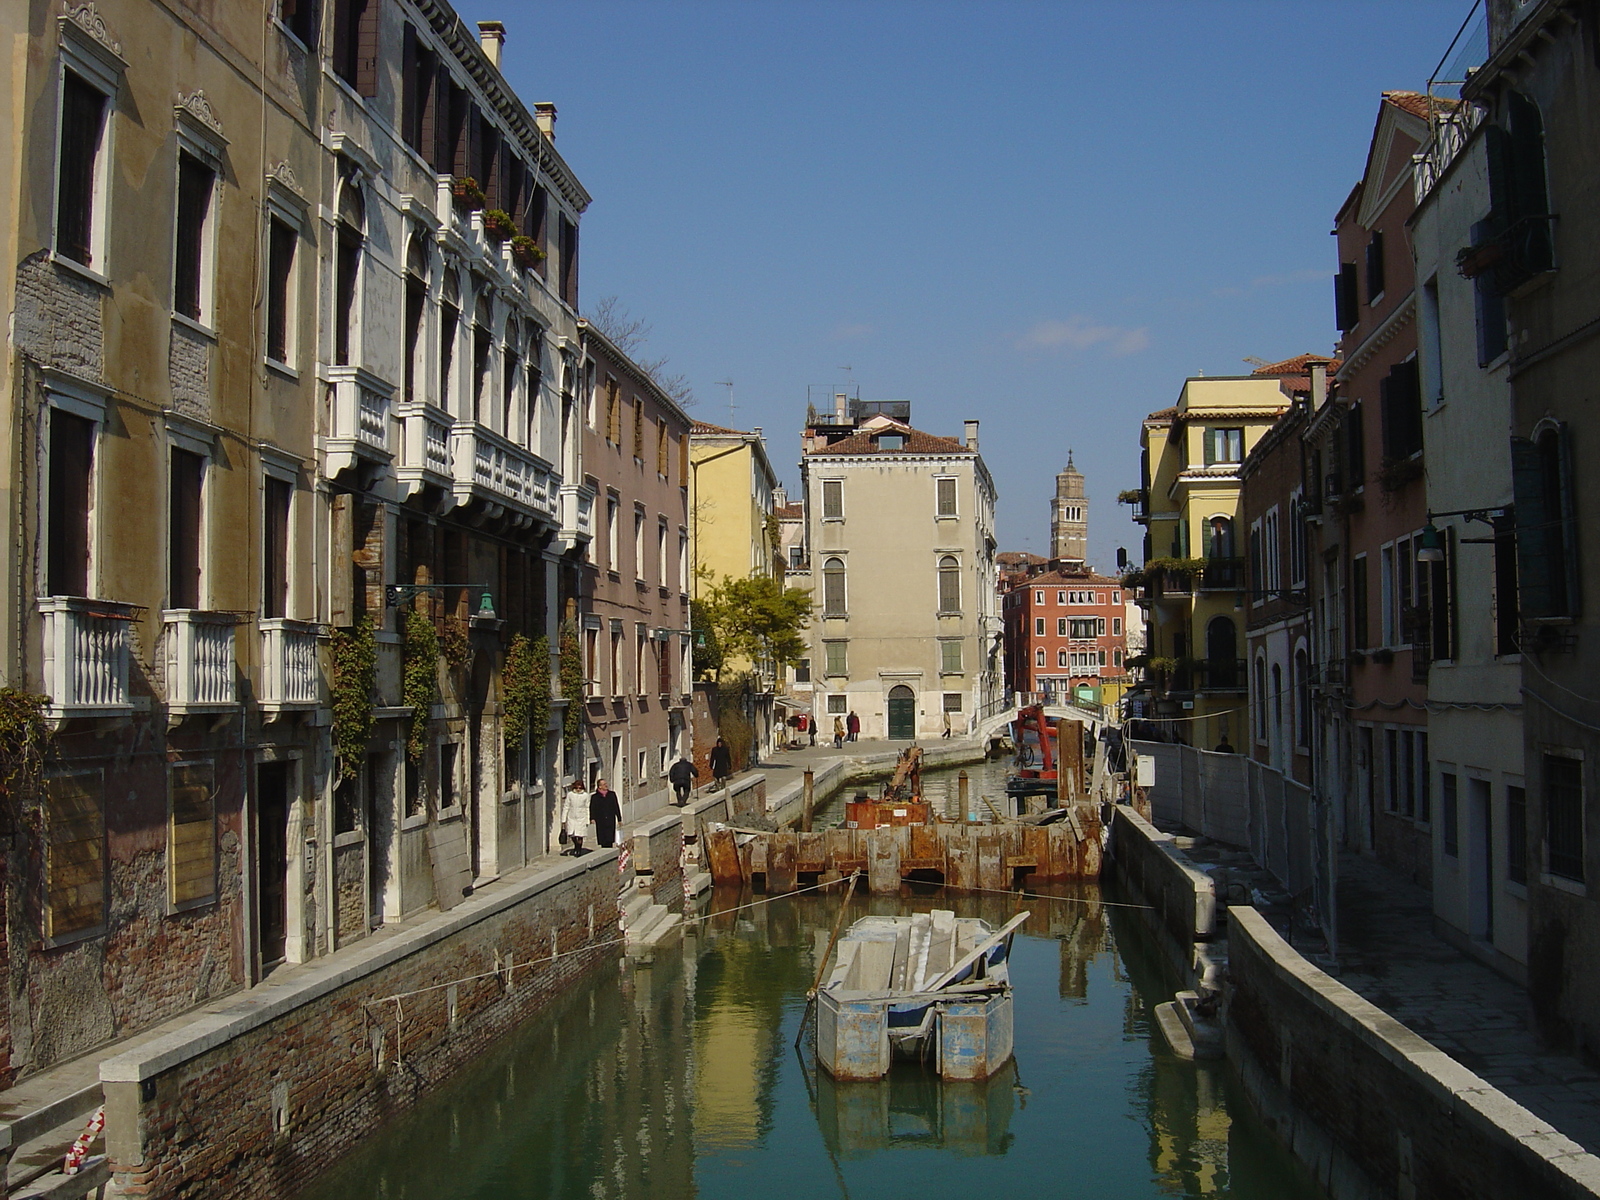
x=941, y=945
x=966, y=960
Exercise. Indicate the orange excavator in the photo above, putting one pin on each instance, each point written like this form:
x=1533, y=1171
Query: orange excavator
x=1037, y=754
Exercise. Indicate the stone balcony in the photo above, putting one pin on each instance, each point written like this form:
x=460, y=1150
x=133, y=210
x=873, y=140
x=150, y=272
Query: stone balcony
x=359, y=422
x=577, y=515
x=503, y=476
x=424, y=457
x=291, y=677
x=199, y=654
x=86, y=653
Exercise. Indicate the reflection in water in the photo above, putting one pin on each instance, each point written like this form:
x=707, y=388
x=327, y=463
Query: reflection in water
x=680, y=1079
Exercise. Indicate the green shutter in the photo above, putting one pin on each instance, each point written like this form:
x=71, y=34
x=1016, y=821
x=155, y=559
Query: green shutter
x=1534, y=576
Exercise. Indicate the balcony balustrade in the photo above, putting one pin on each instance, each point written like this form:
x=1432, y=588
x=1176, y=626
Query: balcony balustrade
x=362, y=406
x=424, y=448
x=86, y=651
x=200, y=660
x=1222, y=574
x=577, y=515
x=290, y=675
x=496, y=470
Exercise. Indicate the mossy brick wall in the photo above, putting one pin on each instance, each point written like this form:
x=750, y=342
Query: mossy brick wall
x=266, y=1110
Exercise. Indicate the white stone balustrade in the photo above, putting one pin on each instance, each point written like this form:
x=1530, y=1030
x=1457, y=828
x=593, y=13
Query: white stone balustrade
x=290, y=674
x=424, y=447
x=200, y=660
x=86, y=651
x=493, y=468
x=577, y=515
x=362, y=407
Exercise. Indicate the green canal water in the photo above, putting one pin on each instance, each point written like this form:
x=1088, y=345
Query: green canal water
x=680, y=1079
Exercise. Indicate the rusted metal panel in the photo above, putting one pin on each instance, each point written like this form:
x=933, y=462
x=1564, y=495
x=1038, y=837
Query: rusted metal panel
x=974, y=1039
x=883, y=861
x=927, y=844
x=857, y=1038
x=780, y=863
x=961, y=868
x=1036, y=845
x=991, y=874
x=724, y=857
x=811, y=853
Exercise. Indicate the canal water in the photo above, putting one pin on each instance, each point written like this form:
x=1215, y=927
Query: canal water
x=680, y=1078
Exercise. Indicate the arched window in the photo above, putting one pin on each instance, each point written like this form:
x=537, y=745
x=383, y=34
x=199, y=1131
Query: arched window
x=350, y=234
x=1061, y=658
x=509, y=373
x=833, y=599
x=449, y=330
x=1261, y=699
x=1221, y=542
x=416, y=305
x=1221, y=650
x=482, y=348
x=1038, y=657
x=949, y=584
x=1302, y=698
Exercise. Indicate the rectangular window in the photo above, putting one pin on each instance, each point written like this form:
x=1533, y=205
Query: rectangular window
x=802, y=671
x=449, y=329
x=1061, y=627
x=1507, y=611
x=950, y=657
x=617, y=687
x=947, y=496
x=1358, y=602
x=952, y=702
x=188, y=472
x=1346, y=298
x=613, y=516
x=1431, y=346
x=299, y=17
x=192, y=835
x=1400, y=401
x=1116, y=626
x=838, y=706
x=1386, y=595
x=836, y=662
x=1375, y=266
x=1563, y=816
x=1224, y=446
x=833, y=595
x=347, y=271
x=661, y=552
x=638, y=543
x=71, y=493
x=196, y=181
x=355, y=44
x=1422, y=776
x=279, y=496
x=613, y=412
x=281, y=238
x=1542, y=475
x=419, y=72
x=1038, y=627
x=638, y=429
x=1355, y=445
x=833, y=499
x=569, y=262
x=1516, y=835
x=74, y=854
x=83, y=110
x=1448, y=813
x=1391, y=759
x=449, y=753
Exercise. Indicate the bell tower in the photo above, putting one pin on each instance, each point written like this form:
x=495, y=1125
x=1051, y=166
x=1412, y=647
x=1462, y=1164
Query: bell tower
x=1069, y=517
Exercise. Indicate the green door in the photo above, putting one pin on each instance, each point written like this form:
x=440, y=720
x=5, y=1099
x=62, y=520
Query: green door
x=902, y=713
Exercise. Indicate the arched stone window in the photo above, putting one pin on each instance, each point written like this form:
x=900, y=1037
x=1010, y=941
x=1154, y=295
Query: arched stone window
x=949, y=584
x=833, y=595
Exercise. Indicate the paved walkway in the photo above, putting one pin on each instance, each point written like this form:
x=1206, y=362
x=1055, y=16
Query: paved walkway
x=1389, y=953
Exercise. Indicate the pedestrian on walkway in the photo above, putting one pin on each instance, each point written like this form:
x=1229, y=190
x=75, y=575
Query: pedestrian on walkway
x=721, y=763
x=838, y=733
x=682, y=776
x=575, y=818
x=852, y=725
x=946, y=732
x=811, y=728
x=605, y=810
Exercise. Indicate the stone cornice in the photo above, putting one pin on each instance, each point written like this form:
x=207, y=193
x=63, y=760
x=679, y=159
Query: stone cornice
x=1379, y=338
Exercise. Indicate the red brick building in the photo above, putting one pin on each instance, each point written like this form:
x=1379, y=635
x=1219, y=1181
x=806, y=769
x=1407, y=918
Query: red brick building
x=1063, y=628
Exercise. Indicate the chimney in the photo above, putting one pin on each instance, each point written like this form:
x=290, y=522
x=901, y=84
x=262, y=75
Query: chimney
x=492, y=37
x=544, y=116
x=839, y=399
x=971, y=428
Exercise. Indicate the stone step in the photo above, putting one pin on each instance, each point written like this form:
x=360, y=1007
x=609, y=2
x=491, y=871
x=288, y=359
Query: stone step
x=656, y=924
x=1173, y=1029
x=699, y=882
x=1205, y=1032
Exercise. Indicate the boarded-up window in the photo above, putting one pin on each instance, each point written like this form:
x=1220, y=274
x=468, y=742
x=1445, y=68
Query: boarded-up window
x=183, y=537
x=75, y=846
x=192, y=835
x=71, y=471
x=82, y=124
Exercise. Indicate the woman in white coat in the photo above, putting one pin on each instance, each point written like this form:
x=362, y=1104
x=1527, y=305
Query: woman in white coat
x=575, y=817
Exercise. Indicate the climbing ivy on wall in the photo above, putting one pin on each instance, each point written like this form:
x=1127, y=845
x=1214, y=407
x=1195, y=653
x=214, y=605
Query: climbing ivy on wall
x=525, y=682
x=571, y=685
x=23, y=737
x=419, y=679
x=355, y=674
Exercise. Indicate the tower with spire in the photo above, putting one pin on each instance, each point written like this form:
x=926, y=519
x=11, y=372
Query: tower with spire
x=1069, y=517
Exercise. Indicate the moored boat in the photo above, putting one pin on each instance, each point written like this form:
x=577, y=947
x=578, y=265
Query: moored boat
x=931, y=987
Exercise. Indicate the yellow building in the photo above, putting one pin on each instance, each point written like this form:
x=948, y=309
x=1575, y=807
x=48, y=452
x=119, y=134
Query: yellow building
x=1190, y=585
x=730, y=506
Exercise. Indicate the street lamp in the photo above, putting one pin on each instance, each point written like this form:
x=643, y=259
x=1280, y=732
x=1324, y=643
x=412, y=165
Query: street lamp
x=396, y=594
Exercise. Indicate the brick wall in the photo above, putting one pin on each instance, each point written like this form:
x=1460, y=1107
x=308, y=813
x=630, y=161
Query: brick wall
x=258, y=1098
x=1370, y=1106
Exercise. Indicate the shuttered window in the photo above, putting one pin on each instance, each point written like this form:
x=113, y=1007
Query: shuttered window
x=949, y=584
x=71, y=476
x=1359, y=628
x=1355, y=445
x=280, y=275
x=1346, y=298
x=833, y=595
x=638, y=429
x=419, y=76
x=183, y=529
x=1563, y=816
x=279, y=496
x=195, y=184
x=613, y=412
x=1541, y=474
x=837, y=662
x=661, y=449
x=1507, y=613
x=355, y=44
x=950, y=657
x=569, y=262
x=833, y=499
x=192, y=835
x=946, y=497
x=82, y=128
x=75, y=848
x=1400, y=398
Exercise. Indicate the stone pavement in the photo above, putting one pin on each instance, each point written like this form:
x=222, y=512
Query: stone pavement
x=1389, y=953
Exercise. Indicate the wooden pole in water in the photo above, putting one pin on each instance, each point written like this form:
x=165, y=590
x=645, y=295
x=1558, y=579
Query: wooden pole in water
x=963, y=790
x=838, y=925
x=809, y=801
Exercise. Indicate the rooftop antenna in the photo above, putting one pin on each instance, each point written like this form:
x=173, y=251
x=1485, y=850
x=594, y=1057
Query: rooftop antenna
x=728, y=383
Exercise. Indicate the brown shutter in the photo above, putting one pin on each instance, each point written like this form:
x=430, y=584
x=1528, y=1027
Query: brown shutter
x=192, y=835
x=183, y=542
x=366, y=80
x=82, y=117
x=71, y=474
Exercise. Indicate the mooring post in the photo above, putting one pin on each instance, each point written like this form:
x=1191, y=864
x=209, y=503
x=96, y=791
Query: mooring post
x=805, y=805
x=963, y=790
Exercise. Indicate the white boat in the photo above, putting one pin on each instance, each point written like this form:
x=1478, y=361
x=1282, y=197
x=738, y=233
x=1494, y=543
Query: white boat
x=932, y=987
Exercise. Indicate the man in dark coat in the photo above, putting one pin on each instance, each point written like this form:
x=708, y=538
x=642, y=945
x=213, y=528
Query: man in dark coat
x=721, y=762
x=682, y=775
x=852, y=726
x=605, y=810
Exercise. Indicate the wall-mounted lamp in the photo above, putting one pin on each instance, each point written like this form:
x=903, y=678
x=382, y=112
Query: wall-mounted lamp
x=1430, y=544
x=396, y=594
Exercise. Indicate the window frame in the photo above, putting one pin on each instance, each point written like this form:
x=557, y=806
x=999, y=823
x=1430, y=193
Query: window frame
x=835, y=568
x=940, y=511
x=832, y=489
x=949, y=576
x=836, y=658
x=101, y=69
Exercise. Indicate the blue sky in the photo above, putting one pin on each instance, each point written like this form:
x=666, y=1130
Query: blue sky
x=1042, y=215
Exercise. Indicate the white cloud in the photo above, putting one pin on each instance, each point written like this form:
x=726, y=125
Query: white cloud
x=1261, y=282
x=1080, y=333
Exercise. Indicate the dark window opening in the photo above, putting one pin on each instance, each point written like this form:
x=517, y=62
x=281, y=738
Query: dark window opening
x=448, y=753
x=355, y=44
x=1400, y=399
x=419, y=74
x=195, y=183
x=1542, y=475
x=449, y=324
x=1563, y=816
x=1516, y=835
x=280, y=272
x=1507, y=612
x=569, y=262
x=82, y=126
x=1375, y=266
x=1359, y=629
x=188, y=472
x=1346, y=298
x=300, y=18
x=71, y=475
x=482, y=345
x=347, y=271
x=416, y=302
x=279, y=497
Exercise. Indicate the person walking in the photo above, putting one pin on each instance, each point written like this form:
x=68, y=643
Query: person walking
x=721, y=763
x=682, y=775
x=575, y=817
x=605, y=810
x=838, y=733
x=946, y=732
x=811, y=728
x=852, y=726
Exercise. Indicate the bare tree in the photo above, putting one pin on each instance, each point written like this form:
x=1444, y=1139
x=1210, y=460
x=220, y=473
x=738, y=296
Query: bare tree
x=629, y=334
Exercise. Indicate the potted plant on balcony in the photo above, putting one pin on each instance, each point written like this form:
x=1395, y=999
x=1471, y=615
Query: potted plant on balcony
x=525, y=251
x=469, y=196
x=497, y=224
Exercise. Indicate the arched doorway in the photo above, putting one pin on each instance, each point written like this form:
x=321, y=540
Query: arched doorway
x=902, y=712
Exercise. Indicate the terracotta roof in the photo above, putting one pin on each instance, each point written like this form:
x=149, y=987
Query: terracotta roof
x=1419, y=105
x=1020, y=558
x=1163, y=414
x=1300, y=364
x=707, y=428
x=1071, y=577
x=917, y=442
x=793, y=512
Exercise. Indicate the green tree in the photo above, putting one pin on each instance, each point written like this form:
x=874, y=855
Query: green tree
x=707, y=649
x=758, y=618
